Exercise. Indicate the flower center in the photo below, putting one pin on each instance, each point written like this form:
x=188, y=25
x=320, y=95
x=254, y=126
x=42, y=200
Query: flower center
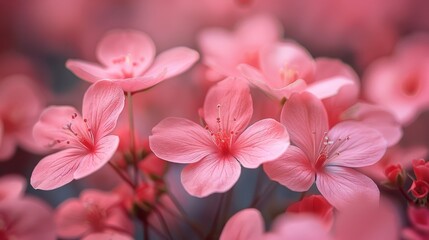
x=77, y=131
x=329, y=149
x=95, y=216
x=222, y=137
x=127, y=65
x=288, y=75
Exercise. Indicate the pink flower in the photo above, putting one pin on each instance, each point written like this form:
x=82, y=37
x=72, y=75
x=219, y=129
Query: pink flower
x=127, y=57
x=93, y=212
x=316, y=205
x=421, y=169
x=326, y=156
x=83, y=139
x=286, y=68
x=223, y=51
x=26, y=219
x=394, y=156
x=400, y=83
x=419, y=218
x=216, y=151
x=18, y=114
x=248, y=224
x=12, y=187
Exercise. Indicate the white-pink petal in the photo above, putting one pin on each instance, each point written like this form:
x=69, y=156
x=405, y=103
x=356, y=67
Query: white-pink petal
x=263, y=141
x=342, y=186
x=355, y=145
x=118, y=44
x=328, y=87
x=181, y=141
x=172, y=62
x=213, y=174
x=292, y=170
x=87, y=71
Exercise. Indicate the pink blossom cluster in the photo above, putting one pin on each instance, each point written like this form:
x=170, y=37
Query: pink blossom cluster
x=231, y=120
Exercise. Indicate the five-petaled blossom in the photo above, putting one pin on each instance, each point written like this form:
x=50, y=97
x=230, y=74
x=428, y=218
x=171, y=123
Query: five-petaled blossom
x=128, y=57
x=216, y=150
x=326, y=156
x=84, y=141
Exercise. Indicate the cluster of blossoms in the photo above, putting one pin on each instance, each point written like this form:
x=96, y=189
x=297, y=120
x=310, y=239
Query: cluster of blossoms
x=294, y=122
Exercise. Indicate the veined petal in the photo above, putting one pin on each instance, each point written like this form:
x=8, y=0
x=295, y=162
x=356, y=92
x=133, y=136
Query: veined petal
x=306, y=120
x=181, y=141
x=102, y=104
x=51, y=126
x=292, y=170
x=355, y=145
x=247, y=224
x=92, y=161
x=57, y=169
x=215, y=173
x=126, y=45
x=264, y=141
x=328, y=87
x=173, y=62
x=87, y=71
x=341, y=186
x=230, y=101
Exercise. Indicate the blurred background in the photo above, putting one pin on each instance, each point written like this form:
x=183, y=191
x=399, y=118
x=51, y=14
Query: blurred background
x=37, y=37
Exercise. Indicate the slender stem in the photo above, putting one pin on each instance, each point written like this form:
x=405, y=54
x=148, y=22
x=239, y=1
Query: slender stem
x=132, y=136
x=121, y=174
x=216, y=217
x=163, y=222
x=156, y=230
x=267, y=191
x=195, y=228
x=405, y=195
x=145, y=229
x=302, y=195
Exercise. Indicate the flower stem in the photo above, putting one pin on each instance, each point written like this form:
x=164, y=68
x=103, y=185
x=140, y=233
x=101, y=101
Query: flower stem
x=121, y=175
x=405, y=195
x=132, y=136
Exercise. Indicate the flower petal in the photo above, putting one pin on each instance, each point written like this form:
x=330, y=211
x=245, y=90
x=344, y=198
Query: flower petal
x=247, y=224
x=173, y=62
x=264, y=141
x=328, y=87
x=91, y=162
x=290, y=57
x=134, y=45
x=306, y=120
x=12, y=187
x=214, y=173
x=70, y=219
x=181, y=141
x=230, y=101
x=341, y=186
x=87, y=71
x=57, y=169
x=7, y=147
x=292, y=170
x=355, y=145
x=102, y=104
x=50, y=126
